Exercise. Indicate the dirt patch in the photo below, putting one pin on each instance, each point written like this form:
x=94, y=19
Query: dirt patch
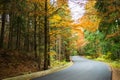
x=13, y=63
x=115, y=74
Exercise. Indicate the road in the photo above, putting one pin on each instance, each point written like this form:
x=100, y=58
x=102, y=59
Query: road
x=82, y=69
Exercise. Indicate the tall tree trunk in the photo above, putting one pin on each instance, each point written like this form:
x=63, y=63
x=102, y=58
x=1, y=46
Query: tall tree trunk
x=48, y=45
x=27, y=41
x=46, y=38
x=35, y=31
x=10, y=40
x=2, y=30
x=35, y=37
x=40, y=49
x=67, y=53
x=18, y=36
x=59, y=42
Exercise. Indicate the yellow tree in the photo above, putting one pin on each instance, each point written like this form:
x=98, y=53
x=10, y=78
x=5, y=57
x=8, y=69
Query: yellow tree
x=60, y=28
x=91, y=16
x=90, y=20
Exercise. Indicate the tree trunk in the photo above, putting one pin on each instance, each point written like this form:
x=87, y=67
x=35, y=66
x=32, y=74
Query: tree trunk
x=27, y=41
x=35, y=38
x=2, y=30
x=48, y=44
x=67, y=56
x=35, y=31
x=46, y=38
x=59, y=42
x=10, y=40
x=39, y=56
x=18, y=34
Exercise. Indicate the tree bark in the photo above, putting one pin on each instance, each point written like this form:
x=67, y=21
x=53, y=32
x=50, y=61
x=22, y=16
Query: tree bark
x=46, y=38
x=35, y=31
x=18, y=29
x=35, y=38
x=27, y=37
x=2, y=30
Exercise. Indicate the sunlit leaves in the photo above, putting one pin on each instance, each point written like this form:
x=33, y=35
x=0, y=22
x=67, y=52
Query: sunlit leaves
x=56, y=18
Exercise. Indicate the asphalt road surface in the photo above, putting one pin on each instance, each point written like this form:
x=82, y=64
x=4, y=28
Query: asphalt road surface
x=82, y=69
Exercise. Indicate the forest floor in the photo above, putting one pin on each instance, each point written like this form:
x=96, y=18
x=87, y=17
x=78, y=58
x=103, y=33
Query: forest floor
x=115, y=66
x=13, y=63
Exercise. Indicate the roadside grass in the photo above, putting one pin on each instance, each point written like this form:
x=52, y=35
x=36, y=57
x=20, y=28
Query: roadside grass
x=57, y=63
x=114, y=64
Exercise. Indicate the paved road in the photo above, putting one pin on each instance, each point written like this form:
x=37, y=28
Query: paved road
x=82, y=69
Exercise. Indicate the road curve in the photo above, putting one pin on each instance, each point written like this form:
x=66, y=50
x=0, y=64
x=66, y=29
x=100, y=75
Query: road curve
x=82, y=69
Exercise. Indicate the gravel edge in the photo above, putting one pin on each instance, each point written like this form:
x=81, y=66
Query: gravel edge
x=40, y=74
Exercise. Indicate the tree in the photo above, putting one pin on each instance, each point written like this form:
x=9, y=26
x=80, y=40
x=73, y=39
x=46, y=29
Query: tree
x=109, y=24
x=4, y=7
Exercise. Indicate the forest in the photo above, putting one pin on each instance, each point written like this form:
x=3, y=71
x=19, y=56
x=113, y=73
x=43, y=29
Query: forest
x=38, y=34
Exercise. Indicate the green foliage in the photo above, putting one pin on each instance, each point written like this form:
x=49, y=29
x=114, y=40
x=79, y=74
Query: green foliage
x=74, y=52
x=89, y=57
x=112, y=47
x=98, y=45
x=108, y=56
x=106, y=40
x=104, y=58
x=94, y=42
